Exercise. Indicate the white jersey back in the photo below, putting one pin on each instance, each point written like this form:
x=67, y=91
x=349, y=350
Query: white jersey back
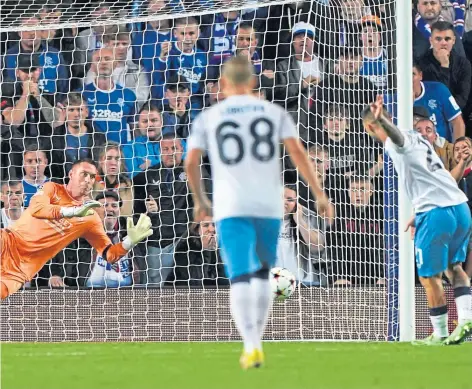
x=242, y=135
x=427, y=183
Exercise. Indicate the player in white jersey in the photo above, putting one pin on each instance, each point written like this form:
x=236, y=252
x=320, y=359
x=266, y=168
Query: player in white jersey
x=442, y=221
x=242, y=135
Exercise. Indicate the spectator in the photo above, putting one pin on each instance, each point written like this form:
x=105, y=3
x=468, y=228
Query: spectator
x=35, y=163
x=24, y=105
x=296, y=75
x=301, y=246
x=177, y=112
x=320, y=161
x=145, y=152
x=112, y=176
x=429, y=12
x=346, y=86
x=76, y=139
x=89, y=40
x=443, y=148
x=181, y=58
x=11, y=143
x=445, y=113
x=163, y=192
x=12, y=199
x=197, y=258
x=53, y=77
x=122, y=272
x=376, y=64
x=125, y=73
x=442, y=64
x=111, y=106
x=349, y=152
x=214, y=93
x=357, y=237
x=63, y=40
x=146, y=43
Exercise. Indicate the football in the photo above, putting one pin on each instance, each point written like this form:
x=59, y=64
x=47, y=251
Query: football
x=282, y=283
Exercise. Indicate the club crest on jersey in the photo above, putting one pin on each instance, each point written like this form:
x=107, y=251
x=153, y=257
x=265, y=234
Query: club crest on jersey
x=433, y=104
x=120, y=102
x=183, y=176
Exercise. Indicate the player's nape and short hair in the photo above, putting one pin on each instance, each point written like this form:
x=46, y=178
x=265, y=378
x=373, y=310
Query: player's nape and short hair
x=238, y=71
x=463, y=139
x=442, y=25
x=186, y=21
x=74, y=99
x=79, y=162
x=116, y=33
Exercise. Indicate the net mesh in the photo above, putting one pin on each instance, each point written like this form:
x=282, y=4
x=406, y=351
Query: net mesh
x=121, y=83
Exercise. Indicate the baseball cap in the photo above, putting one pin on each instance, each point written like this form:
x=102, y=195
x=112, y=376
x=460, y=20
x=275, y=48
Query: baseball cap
x=372, y=20
x=421, y=112
x=109, y=193
x=304, y=28
x=27, y=62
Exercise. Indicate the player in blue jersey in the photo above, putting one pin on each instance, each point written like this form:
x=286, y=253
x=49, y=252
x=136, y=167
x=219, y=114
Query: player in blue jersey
x=111, y=107
x=242, y=135
x=445, y=112
x=442, y=221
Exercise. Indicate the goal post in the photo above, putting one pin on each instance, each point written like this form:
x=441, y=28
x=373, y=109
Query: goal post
x=356, y=282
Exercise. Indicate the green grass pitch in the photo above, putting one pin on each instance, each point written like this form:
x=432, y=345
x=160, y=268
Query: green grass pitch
x=215, y=365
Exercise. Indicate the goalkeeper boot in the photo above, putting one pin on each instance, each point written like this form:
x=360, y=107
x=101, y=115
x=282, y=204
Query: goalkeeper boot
x=253, y=359
x=460, y=334
x=431, y=340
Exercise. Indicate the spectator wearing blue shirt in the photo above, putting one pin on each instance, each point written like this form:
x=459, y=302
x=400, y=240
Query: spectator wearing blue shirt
x=54, y=77
x=146, y=44
x=183, y=59
x=35, y=163
x=111, y=107
x=445, y=112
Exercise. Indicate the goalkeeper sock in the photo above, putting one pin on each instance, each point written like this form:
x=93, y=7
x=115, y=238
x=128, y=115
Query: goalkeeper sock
x=463, y=304
x=241, y=301
x=438, y=316
x=263, y=300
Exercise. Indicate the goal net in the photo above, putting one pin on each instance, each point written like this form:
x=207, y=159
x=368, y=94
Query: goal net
x=121, y=83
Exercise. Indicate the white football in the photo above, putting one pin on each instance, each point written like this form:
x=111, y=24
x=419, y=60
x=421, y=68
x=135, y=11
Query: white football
x=282, y=283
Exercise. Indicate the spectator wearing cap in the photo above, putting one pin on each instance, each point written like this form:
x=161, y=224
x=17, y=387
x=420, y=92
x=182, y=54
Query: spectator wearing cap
x=442, y=64
x=24, y=106
x=111, y=106
x=346, y=86
x=376, y=63
x=181, y=59
x=427, y=13
x=297, y=75
x=125, y=73
x=177, y=112
x=436, y=97
x=443, y=148
x=122, y=272
x=53, y=80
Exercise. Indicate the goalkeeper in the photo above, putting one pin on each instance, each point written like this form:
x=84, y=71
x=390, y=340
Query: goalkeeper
x=58, y=215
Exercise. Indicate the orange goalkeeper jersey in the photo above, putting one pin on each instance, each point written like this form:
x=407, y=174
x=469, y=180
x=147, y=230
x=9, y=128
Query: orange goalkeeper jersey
x=40, y=233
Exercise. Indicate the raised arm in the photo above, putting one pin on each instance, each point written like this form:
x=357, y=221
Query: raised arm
x=392, y=131
x=40, y=205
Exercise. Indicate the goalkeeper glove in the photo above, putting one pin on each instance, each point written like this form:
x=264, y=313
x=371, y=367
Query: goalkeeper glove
x=138, y=232
x=81, y=211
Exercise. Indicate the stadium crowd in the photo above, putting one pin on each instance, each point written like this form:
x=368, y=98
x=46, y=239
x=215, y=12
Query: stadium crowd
x=126, y=96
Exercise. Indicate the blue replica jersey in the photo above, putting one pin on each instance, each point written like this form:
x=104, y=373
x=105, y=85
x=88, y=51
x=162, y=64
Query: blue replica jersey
x=111, y=111
x=147, y=46
x=30, y=190
x=436, y=97
x=191, y=67
x=376, y=70
x=54, y=75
